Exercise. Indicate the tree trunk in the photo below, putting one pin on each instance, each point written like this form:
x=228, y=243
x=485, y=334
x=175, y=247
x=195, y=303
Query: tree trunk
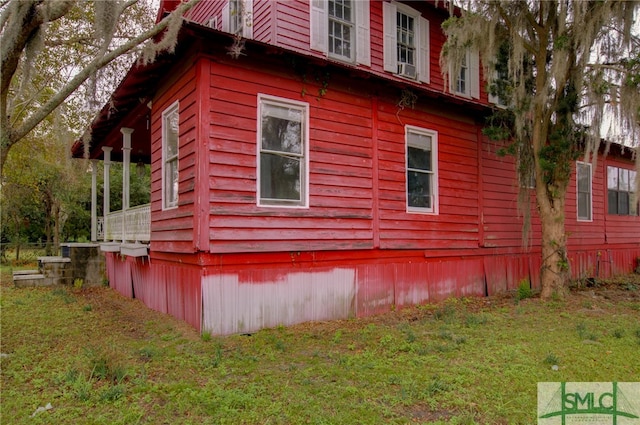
x=555, y=270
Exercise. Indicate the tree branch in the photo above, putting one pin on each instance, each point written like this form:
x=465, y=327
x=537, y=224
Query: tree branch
x=98, y=63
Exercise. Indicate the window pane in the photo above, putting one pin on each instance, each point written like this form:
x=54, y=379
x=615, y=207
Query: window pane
x=632, y=180
x=623, y=179
x=462, y=81
x=623, y=203
x=171, y=134
x=171, y=183
x=279, y=177
x=418, y=159
x=584, y=177
x=346, y=11
x=282, y=129
x=419, y=189
x=346, y=41
x=418, y=140
x=612, y=178
x=612, y=201
x=584, y=210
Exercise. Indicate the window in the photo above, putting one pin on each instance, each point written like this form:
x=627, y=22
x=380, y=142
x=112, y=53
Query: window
x=340, y=29
x=282, y=152
x=621, y=194
x=583, y=189
x=422, y=176
x=463, y=76
x=170, y=145
x=466, y=82
x=237, y=18
x=406, y=42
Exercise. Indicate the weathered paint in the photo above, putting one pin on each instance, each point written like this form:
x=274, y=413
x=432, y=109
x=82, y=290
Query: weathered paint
x=140, y=276
x=119, y=272
x=226, y=265
x=240, y=298
x=246, y=302
x=375, y=289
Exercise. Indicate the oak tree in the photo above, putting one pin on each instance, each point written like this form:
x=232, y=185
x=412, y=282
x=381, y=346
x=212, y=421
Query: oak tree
x=52, y=48
x=562, y=68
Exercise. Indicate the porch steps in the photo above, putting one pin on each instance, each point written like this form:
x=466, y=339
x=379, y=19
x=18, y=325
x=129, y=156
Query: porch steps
x=36, y=279
x=51, y=271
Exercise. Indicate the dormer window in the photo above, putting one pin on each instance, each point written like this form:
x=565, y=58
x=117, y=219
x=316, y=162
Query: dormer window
x=406, y=42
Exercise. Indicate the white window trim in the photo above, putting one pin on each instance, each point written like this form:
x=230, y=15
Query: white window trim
x=173, y=108
x=473, y=85
x=319, y=31
x=582, y=219
x=434, y=210
x=390, y=42
x=247, y=19
x=304, y=106
x=631, y=182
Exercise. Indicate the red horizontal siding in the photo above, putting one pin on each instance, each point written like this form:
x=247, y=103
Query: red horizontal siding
x=292, y=32
x=173, y=229
x=347, y=180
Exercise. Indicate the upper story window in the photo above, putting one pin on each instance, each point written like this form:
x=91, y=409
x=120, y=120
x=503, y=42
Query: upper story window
x=282, y=152
x=422, y=170
x=583, y=189
x=341, y=29
x=462, y=79
x=466, y=81
x=237, y=18
x=621, y=194
x=170, y=145
x=406, y=41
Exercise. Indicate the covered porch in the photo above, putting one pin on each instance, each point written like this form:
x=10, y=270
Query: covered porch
x=127, y=231
x=121, y=134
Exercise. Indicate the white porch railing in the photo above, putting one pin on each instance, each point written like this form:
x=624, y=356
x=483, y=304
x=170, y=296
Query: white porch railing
x=132, y=225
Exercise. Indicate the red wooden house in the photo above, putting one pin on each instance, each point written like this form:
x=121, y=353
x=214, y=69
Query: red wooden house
x=309, y=162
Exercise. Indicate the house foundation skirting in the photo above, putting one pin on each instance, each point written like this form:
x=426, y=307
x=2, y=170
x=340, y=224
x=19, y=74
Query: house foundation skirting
x=226, y=299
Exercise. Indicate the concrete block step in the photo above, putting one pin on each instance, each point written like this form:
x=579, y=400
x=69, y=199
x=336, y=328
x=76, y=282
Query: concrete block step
x=23, y=272
x=25, y=280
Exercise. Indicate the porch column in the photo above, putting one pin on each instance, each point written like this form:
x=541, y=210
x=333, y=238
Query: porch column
x=126, y=178
x=94, y=200
x=106, y=202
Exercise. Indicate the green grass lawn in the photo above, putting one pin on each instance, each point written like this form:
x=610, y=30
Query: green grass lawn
x=99, y=358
